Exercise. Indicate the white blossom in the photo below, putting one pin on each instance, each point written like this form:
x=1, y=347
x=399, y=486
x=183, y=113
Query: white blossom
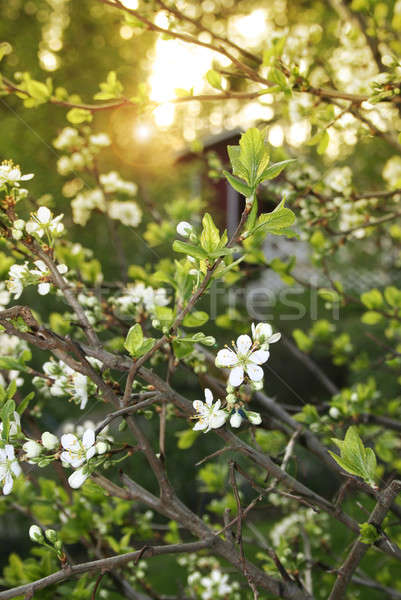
x=100, y=139
x=83, y=205
x=112, y=183
x=68, y=138
x=5, y=295
x=77, y=453
x=209, y=415
x=9, y=468
x=128, y=213
x=32, y=449
x=263, y=334
x=11, y=174
x=244, y=359
x=43, y=221
x=138, y=295
x=14, y=426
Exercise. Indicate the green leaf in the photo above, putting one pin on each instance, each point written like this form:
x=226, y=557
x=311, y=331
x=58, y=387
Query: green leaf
x=393, y=296
x=238, y=168
x=214, y=78
x=303, y=342
x=210, y=236
x=372, y=299
x=278, y=221
x=324, y=142
x=186, y=438
x=37, y=90
x=79, y=115
x=5, y=48
x=189, y=250
x=355, y=458
x=274, y=170
x=195, y=319
x=134, y=339
x=371, y=317
x=252, y=152
x=369, y=533
x=239, y=185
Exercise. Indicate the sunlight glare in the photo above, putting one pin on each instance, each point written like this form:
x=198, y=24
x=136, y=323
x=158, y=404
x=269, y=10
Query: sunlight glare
x=133, y=4
x=142, y=132
x=252, y=27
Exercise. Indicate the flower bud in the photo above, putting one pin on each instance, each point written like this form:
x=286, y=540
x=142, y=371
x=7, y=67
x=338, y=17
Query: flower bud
x=35, y=533
x=32, y=449
x=334, y=412
x=49, y=441
x=51, y=535
x=254, y=417
x=102, y=447
x=184, y=229
x=235, y=420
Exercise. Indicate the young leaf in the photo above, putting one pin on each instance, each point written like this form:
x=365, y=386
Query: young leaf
x=189, y=249
x=274, y=170
x=239, y=185
x=134, y=339
x=210, y=236
x=214, y=78
x=195, y=319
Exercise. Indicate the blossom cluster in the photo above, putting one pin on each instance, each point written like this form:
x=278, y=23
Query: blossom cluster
x=73, y=449
x=10, y=175
x=20, y=276
x=138, y=298
x=67, y=382
x=112, y=194
x=244, y=364
x=41, y=223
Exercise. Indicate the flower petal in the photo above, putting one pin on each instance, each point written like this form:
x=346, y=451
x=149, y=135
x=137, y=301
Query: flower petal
x=236, y=376
x=218, y=419
x=198, y=406
x=8, y=484
x=44, y=215
x=255, y=373
x=15, y=468
x=226, y=358
x=88, y=439
x=259, y=357
x=274, y=338
x=91, y=452
x=244, y=344
x=208, y=397
x=201, y=425
x=77, y=478
x=69, y=441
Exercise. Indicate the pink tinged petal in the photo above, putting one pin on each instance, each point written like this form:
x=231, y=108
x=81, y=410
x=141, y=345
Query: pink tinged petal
x=226, y=358
x=88, y=439
x=15, y=468
x=218, y=419
x=77, y=478
x=69, y=441
x=91, y=452
x=255, y=373
x=244, y=344
x=236, y=376
x=208, y=397
x=274, y=338
x=259, y=357
x=8, y=484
